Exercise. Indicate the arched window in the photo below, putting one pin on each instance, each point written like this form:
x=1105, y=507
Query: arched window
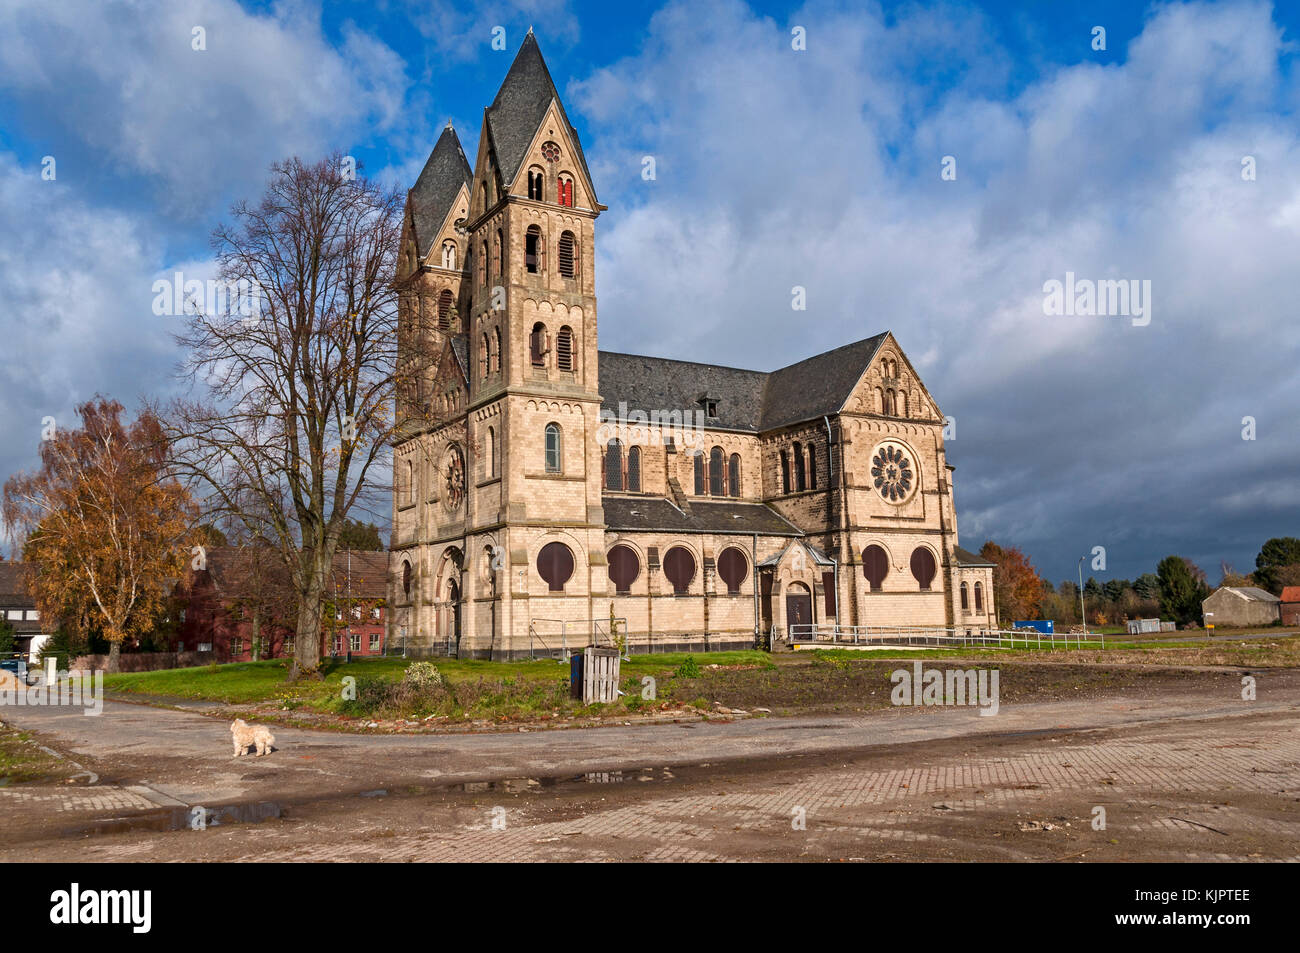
x=445, y=301
x=812, y=467
x=614, y=465
x=555, y=565
x=733, y=567
x=490, y=453
x=904, y=397
x=698, y=457
x=733, y=477
x=501, y=253
x=533, y=249
x=535, y=179
x=965, y=600
x=923, y=567
x=568, y=254
x=482, y=194
x=717, y=479
x=624, y=567
x=679, y=567
x=449, y=254
x=408, y=491
x=537, y=345
x=406, y=578
x=979, y=597
x=554, y=448
x=483, y=357
x=800, y=480
x=634, y=469
x=875, y=565
x=785, y=472
x=564, y=189
x=483, y=263
x=880, y=401
x=564, y=349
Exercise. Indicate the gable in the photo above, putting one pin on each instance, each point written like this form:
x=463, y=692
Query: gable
x=890, y=376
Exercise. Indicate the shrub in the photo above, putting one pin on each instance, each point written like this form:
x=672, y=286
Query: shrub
x=688, y=669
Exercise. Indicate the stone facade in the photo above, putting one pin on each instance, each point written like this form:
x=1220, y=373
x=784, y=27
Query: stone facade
x=542, y=487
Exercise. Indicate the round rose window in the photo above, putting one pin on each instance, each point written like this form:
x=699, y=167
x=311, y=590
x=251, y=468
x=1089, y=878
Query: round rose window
x=892, y=472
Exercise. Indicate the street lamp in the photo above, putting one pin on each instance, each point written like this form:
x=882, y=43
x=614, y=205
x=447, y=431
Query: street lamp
x=1083, y=615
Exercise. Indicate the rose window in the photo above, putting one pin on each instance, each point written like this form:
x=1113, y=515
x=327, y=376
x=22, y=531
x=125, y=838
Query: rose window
x=892, y=473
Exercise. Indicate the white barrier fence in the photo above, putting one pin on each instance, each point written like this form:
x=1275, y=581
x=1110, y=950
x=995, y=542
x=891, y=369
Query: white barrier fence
x=866, y=635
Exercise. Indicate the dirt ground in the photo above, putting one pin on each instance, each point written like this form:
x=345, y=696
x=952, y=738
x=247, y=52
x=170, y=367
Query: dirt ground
x=1172, y=762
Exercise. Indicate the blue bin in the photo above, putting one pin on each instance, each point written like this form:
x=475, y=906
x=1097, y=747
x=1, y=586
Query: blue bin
x=575, y=675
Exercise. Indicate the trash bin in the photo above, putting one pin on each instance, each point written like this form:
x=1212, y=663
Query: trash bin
x=575, y=675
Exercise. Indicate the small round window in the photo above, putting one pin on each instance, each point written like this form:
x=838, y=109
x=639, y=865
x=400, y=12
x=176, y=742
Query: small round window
x=550, y=152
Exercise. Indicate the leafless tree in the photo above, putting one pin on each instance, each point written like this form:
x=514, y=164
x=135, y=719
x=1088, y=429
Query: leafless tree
x=296, y=421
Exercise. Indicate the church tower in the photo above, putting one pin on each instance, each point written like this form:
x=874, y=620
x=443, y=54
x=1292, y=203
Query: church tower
x=503, y=532
x=536, y=530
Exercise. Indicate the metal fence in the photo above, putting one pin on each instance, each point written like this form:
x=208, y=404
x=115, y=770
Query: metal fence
x=867, y=635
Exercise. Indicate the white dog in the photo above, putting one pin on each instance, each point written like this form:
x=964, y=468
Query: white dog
x=245, y=734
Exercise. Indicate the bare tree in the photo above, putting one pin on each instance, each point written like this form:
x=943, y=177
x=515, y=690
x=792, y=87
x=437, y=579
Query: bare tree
x=299, y=403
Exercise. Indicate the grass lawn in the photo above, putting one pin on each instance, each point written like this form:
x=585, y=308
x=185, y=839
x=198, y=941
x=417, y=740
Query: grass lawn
x=474, y=689
x=465, y=690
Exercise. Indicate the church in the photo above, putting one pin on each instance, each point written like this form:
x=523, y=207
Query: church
x=543, y=488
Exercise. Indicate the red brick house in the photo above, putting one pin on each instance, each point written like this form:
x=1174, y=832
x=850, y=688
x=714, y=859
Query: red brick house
x=242, y=605
x=1291, y=605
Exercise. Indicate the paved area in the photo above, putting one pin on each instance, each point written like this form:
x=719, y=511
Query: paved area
x=1189, y=775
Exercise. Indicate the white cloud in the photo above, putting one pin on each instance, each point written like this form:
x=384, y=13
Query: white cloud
x=821, y=168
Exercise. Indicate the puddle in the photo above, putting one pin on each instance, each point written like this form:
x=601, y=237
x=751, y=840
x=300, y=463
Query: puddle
x=184, y=818
x=522, y=785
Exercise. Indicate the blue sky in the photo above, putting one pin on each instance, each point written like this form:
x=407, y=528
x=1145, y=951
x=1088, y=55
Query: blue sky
x=775, y=168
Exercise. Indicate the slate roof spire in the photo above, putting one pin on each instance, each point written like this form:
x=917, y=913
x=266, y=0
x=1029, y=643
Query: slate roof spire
x=519, y=108
x=435, y=190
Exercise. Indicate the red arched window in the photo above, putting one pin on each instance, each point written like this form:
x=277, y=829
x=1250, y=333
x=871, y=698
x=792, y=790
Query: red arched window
x=875, y=566
x=679, y=567
x=733, y=567
x=624, y=567
x=923, y=567
x=564, y=189
x=555, y=565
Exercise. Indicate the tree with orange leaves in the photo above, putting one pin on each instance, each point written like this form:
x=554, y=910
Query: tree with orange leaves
x=1017, y=587
x=106, y=528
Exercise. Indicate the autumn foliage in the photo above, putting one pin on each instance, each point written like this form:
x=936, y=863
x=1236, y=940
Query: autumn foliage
x=105, y=527
x=1017, y=587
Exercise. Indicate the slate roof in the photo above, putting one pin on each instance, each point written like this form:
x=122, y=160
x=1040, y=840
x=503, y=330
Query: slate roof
x=1253, y=594
x=13, y=585
x=460, y=347
x=747, y=400
x=435, y=190
x=625, y=514
x=519, y=108
x=965, y=557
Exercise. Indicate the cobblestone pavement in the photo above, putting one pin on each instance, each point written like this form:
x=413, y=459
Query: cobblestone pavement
x=1226, y=788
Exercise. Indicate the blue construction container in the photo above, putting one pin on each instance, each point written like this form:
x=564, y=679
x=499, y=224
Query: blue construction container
x=1042, y=625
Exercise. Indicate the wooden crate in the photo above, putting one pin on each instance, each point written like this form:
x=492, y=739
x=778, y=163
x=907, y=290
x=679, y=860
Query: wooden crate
x=599, y=675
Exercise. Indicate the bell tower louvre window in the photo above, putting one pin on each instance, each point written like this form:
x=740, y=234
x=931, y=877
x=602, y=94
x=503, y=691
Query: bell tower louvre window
x=564, y=349
x=533, y=250
x=568, y=254
x=537, y=345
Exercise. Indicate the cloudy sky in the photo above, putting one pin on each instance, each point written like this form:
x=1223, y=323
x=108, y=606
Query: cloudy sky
x=776, y=167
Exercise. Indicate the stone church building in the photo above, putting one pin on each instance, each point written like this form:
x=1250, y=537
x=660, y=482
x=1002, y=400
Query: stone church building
x=542, y=486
